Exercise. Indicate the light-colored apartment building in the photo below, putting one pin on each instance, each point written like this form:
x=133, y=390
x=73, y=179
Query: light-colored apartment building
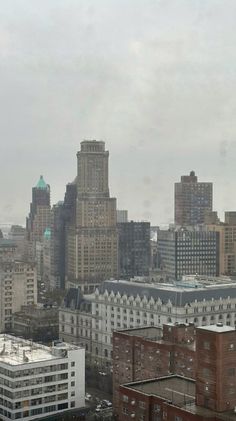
x=18, y=286
x=39, y=381
x=91, y=319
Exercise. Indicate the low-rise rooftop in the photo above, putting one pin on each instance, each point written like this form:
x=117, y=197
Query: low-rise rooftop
x=178, y=391
x=16, y=351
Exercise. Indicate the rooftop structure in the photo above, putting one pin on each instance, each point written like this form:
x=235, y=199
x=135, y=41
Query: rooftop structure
x=179, y=293
x=38, y=381
x=41, y=184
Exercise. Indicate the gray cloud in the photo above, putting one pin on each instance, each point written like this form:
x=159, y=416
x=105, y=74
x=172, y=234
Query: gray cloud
x=154, y=79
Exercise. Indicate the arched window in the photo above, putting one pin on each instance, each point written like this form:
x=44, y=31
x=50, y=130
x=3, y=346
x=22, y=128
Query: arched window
x=220, y=317
x=195, y=320
x=228, y=316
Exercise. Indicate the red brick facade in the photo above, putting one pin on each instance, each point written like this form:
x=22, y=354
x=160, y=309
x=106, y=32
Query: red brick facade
x=137, y=358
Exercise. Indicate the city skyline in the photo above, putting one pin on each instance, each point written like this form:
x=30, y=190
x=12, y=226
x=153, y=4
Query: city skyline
x=156, y=82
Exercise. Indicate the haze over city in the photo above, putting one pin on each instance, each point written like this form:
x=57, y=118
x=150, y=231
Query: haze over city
x=155, y=80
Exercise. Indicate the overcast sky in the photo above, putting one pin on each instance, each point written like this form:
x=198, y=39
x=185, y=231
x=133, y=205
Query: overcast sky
x=155, y=79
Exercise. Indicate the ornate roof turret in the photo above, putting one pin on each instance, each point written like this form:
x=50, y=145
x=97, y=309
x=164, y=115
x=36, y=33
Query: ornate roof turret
x=41, y=184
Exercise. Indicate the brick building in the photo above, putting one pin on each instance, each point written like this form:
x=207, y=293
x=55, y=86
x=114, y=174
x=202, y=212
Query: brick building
x=210, y=397
x=148, y=353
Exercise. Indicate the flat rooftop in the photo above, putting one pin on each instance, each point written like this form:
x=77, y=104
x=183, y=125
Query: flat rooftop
x=217, y=328
x=152, y=333
x=16, y=351
x=176, y=389
x=180, y=392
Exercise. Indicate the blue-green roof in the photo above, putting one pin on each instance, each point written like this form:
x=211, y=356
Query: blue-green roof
x=47, y=234
x=41, y=183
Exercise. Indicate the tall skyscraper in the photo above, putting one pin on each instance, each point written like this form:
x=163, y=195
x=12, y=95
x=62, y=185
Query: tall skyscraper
x=92, y=240
x=39, y=216
x=192, y=200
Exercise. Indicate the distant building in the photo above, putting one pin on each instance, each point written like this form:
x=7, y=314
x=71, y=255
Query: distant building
x=134, y=250
x=192, y=200
x=39, y=381
x=8, y=250
x=36, y=323
x=188, y=252
x=227, y=241
x=18, y=287
x=17, y=234
x=122, y=215
x=92, y=242
x=39, y=216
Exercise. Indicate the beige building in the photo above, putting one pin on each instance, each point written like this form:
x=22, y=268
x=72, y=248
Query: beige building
x=227, y=241
x=92, y=242
x=18, y=286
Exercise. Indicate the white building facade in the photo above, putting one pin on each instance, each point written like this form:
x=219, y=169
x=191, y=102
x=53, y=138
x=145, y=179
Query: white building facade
x=38, y=381
x=18, y=287
x=124, y=304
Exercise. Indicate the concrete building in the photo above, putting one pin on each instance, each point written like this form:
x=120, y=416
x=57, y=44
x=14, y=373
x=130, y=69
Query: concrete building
x=122, y=215
x=192, y=200
x=227, y=241
x=39, y=381
x=211, y=396
x=92, y=243
x=150, y=352
x=91, y=319
x=38, y=323
x=18, y=286
x=188, y=252
x=134, y=250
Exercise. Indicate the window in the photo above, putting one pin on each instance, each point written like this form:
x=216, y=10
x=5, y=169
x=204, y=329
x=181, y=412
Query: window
x=231, y=371
x=142, y=404
x=206, y=345
x=72, y=404
x=125, y=398
x=125, y=410
x=72, y=384
x=72, y=364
